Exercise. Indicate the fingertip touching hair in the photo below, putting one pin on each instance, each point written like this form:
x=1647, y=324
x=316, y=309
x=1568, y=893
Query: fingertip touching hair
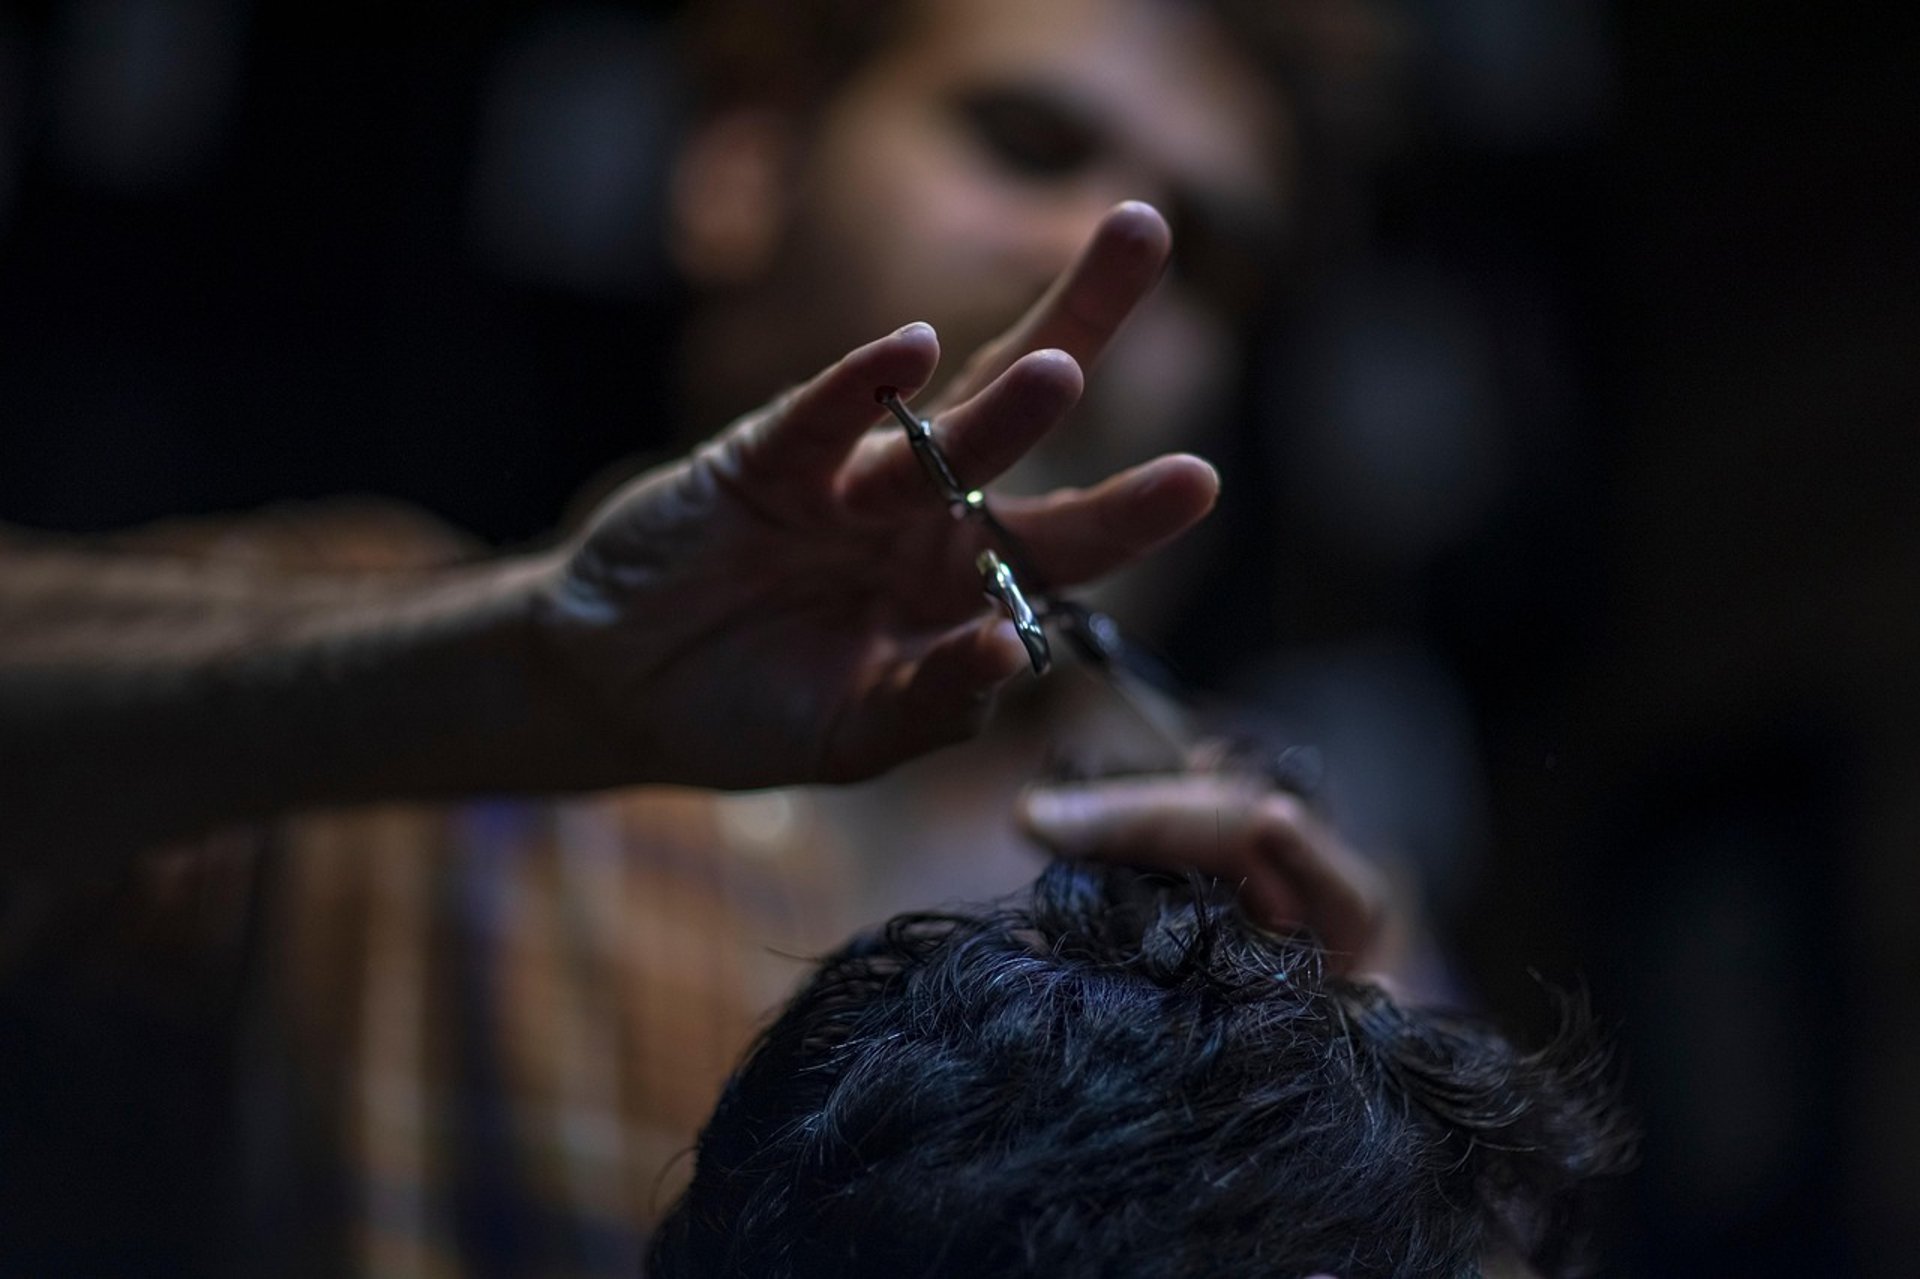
x=1118, y=1077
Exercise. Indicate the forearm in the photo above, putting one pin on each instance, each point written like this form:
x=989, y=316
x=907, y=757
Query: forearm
x=142, y=700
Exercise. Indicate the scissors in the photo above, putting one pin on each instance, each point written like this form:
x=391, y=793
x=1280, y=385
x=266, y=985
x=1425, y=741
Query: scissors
x=1141, y=681
x=1009, y=578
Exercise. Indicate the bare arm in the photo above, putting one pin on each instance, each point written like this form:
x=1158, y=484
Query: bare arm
x=786, y=604
x=143, y=698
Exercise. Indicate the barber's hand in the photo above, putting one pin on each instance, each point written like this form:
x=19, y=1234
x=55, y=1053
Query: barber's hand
x=1292, y=869
x=794, y=602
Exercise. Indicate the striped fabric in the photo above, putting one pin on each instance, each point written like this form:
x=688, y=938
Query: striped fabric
x=468, y=1041
x=499, y=1029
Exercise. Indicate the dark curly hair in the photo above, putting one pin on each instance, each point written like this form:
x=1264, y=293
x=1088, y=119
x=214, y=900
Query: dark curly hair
x=1122, y=1078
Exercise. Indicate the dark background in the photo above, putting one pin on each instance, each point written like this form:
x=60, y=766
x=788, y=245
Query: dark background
x=1640, y=278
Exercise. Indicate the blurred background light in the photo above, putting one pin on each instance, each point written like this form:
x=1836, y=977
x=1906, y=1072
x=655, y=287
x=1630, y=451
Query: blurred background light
x=143, y=90
x=573, y=134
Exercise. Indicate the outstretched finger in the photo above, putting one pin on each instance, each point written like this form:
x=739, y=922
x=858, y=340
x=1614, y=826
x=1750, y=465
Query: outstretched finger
x=980, y=439
x=1085, y=307
x=1072, y=535
x=807, y=434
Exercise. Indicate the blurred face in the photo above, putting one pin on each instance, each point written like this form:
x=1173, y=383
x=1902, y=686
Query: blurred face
x=956, y=174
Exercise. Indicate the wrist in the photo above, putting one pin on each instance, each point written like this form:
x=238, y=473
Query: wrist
x=412, y=688
x=585, y=655
x=501, y=708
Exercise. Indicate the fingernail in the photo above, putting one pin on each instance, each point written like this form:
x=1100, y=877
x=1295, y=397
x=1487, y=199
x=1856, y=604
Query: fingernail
x=1049, y=808
x=1041, y=808
x=915, y=329
x=1157, y=477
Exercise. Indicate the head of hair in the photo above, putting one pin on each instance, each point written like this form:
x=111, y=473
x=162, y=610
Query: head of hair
x=1117, y=1076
